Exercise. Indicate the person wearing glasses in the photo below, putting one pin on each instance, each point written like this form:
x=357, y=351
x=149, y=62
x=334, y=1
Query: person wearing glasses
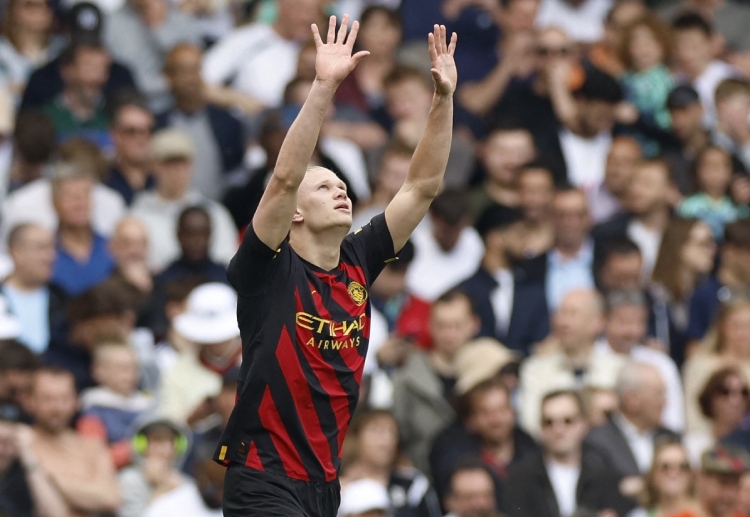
x=724, y=400
x=567, y=477
x=670, y=483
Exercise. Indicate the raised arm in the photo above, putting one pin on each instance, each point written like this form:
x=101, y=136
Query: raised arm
x=333, y=63
x=427, y=167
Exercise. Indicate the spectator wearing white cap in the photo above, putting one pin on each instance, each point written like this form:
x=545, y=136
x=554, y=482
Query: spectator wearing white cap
x=210, y=324
x=159, y=210
x=364, y=498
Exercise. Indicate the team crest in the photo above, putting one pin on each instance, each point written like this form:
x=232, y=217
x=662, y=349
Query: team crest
x=357, y=292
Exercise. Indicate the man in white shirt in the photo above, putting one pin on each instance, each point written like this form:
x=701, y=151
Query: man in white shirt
x=582, y=19
x=566, y=477
x=627, y=439
x=447, y=250
x=159, y=210
x=624, y=334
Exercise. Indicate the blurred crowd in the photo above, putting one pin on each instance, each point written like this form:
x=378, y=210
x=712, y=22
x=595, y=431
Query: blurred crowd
x=566, y=334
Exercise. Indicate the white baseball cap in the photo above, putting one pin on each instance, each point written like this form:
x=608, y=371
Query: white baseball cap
x=210, y=315
x=363, y=495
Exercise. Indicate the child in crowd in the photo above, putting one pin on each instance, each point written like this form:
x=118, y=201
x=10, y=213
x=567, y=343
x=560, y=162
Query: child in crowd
x=110, y=408
x=711, y=204
x=646, y=47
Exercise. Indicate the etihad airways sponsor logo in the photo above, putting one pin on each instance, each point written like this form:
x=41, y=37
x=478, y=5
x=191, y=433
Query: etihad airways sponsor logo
x=329, y=334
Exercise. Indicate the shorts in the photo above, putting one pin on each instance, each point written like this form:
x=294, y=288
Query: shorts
x=249, y=492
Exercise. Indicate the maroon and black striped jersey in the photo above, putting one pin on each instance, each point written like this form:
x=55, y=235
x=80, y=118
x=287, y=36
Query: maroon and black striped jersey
x=305, y=333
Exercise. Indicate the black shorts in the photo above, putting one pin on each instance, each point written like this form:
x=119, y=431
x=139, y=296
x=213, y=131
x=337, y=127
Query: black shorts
x=249, y=492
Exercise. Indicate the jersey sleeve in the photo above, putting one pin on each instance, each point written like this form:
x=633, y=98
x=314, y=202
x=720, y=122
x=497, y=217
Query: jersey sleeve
x=251, y=269
x=372, y=246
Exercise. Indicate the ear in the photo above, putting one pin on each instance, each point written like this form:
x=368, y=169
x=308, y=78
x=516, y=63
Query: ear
x=297, y=217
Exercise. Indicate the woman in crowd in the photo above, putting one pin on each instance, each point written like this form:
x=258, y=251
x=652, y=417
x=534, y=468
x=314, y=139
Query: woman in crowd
x=26, y=42
x=371, y=451
x=724, y=401
x=669, y=483
x=727, y=344
x=685, y=256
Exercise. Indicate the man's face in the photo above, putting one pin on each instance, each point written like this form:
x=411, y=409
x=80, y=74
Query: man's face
x=621, y=271
x=446, y=234
x=649, y=398
x=53, y=401
x=571, y=218
x=686, y=121
x=625, y=327
x=577, y=321
x=562, y=426
x=86, y=75
x=393, y=173
x=34, y=255
x=194, y=235
x=15, y=387
x=648, y=189
x=505, y=152
x=472, y=492
x=323, y=201
x=131, y=134
x=72, y=200
x=161, y=444
x=173, y=177
x=296, y=16
x=409, y=99
x=597, y=116
x=452, y=324
x=718, y=493
x=492, y=417
x=536, y=191
x=621, y=161
x=184, y=74
x=129, y=244
x=693, y=50
x=552, y=45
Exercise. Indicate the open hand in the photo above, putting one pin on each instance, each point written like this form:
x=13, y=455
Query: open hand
x=334, y=60
x=441, y=56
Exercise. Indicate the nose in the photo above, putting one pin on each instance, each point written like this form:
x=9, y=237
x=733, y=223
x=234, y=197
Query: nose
x=341, y=193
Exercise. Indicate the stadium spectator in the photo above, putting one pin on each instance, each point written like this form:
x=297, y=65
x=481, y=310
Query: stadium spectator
x=618, y=265
x=37, y=303
x=129, y=249
x=447, y=249
x=470, y=492
x=423, y=388
x=209, y=323
x=725, y=401
x=625, y=334
x=80, y=468
x=217, y=136
x=628, y=439
x=109, y=409
x=669, y=483
x=574, y=362
x=484, y=431
x=17, y=366
x=731, y=280
x=719, y=481
x=511, y=308
x=730, y=131
x=686, y=257
x=159, y=211
x=374, y=455
x=34, y=142
x=607, y=198
x=364, y=498
x=566, y=475
x=139, y=35
x=130, y=128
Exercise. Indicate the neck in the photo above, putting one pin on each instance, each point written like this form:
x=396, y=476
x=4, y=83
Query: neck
x=190, y=105
x=23, y=284
x=655, y=219
x=47, y=435
x=502, y=450
x=376, y=472
x=322, y=250
x=501, y=193
x=568, y=249
x=722, y=429
x=443, y=362
x=638, y=423
x=135, y=173
x=176, y=195
x=75, y=234
x=569, y=459
x=495, y=261
x=695, y=142
x=578, y=357
x=30, y=42
x=669, y=504
x=80, y=105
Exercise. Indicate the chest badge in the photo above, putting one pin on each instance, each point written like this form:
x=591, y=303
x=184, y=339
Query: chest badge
x=357, y=292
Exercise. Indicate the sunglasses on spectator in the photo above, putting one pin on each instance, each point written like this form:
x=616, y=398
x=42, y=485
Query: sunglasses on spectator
x=552, y=51
x=135, y=130
x=726, y=392
x=681, y=467
x=567, y=421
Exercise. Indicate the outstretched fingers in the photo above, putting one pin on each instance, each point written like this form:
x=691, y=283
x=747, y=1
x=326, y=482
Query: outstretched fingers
x=343, y=29
x=353, y=35
x=452, y=46
x=331, y=29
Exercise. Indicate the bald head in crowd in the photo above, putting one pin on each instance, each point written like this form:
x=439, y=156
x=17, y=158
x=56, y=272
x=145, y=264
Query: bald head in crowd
x=578, y=321
x=642, y=395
